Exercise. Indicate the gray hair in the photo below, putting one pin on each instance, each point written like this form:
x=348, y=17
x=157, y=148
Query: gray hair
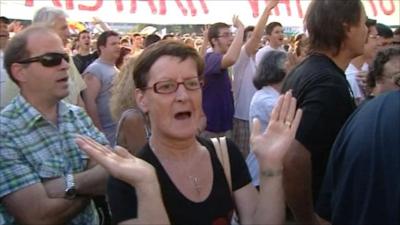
x=47, y=15
x=271, y=69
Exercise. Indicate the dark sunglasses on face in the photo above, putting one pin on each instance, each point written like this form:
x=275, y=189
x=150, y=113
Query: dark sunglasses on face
x=48, y=60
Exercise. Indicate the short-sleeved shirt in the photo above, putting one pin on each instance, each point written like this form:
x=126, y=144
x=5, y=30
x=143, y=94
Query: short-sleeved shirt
x=244, y=71
x=362, y=182
x=34, y=149
x=322, y=91
x=351, y=73
x=217, y=95
x=105, y=73
x=216, y=209
x=83, y=61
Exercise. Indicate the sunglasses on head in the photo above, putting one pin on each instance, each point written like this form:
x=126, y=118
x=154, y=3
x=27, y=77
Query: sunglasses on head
x=48, y=60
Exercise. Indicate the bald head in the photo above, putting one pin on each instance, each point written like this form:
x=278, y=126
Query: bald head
x=18, y=47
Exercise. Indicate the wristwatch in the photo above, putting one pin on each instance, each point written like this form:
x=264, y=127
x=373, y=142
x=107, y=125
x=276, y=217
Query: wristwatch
x=70, y=191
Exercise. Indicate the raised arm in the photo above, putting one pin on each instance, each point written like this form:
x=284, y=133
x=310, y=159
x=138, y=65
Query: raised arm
x=104, y=26
x=234, y=50
x=270, y=147
x=138, y=173
x=204, y=45
x=253, y=42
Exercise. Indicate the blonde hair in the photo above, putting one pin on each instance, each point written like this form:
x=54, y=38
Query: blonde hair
x=122, y=91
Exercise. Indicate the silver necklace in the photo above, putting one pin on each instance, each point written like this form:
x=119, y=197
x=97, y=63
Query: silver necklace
x=195, y=181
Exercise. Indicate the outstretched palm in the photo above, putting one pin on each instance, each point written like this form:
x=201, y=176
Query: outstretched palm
x=120, y=163
x=271, y=145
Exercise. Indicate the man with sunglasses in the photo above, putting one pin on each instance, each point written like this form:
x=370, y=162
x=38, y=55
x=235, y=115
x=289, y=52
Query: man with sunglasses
x=44, y=177
x=56, y=19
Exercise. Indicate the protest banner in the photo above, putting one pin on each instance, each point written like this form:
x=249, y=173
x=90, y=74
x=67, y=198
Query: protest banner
x=288, y=12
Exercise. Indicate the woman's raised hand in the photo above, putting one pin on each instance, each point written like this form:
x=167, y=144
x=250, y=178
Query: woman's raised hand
x=271, y=145
x=120, y=163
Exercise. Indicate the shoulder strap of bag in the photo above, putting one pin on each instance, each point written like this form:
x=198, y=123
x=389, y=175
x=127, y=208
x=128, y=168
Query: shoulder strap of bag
x=222, y=153
x=221, y=149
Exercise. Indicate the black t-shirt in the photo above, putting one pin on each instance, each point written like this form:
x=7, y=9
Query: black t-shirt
x=362, y=181
x=322, y=91
x=216, y=209
x=83, y=61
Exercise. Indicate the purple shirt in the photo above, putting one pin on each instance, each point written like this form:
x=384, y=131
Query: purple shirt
x=217, y=95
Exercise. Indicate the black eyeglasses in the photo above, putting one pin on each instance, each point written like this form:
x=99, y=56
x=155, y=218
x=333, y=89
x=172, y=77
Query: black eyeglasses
x=48, y=60
x=170, y=86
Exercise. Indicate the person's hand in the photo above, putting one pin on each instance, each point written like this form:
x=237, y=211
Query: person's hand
x=272, y=3
x=96, y=20
x=15, y=26
x=120, y=163
x=236, y=22
x=271, y=145
x=204, y=30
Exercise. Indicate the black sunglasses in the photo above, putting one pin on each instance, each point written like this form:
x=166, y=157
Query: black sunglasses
x=48, y=60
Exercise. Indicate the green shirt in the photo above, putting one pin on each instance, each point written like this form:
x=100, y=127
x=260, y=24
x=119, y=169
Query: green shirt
x=33, y=149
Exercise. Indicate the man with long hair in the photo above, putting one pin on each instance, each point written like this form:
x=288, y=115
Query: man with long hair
x=321, y=89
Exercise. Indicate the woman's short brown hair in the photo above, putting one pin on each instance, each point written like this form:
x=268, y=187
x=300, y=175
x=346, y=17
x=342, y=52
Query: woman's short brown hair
x=155, y=51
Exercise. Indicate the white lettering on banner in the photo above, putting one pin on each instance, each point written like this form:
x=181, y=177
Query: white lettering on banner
x=289, y=12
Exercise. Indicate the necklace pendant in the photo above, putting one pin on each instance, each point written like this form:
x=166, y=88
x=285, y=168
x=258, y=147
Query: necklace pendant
x=196, y=183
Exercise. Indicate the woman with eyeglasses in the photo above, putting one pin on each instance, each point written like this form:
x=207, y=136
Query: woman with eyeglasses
x=177, y=177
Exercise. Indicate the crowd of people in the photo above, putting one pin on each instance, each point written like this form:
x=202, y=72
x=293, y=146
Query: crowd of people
x=230, y=128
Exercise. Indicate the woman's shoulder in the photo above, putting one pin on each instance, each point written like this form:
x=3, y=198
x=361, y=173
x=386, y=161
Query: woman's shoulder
x=233, y=150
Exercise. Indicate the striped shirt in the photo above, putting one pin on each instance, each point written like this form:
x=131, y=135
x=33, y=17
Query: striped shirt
x=33, y=149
